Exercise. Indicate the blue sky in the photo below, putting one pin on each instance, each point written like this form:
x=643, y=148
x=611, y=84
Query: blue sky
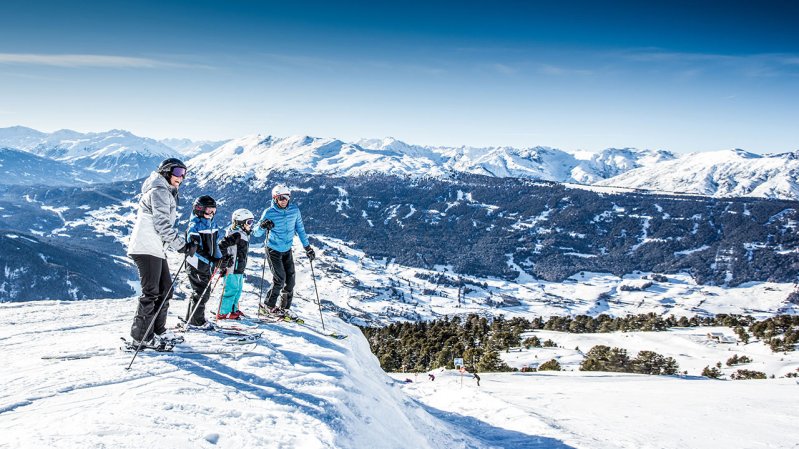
x=576, y=75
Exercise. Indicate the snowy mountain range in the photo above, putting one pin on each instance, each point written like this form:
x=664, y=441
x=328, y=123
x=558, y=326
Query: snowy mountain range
x=719, y=173
x=117, y=154
x=256, y=156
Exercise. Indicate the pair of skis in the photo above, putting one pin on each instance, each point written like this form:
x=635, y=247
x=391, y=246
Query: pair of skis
x=270, y=319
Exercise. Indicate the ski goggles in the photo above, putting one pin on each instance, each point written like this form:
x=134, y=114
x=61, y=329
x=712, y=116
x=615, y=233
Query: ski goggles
x=209, y=211
x=282, y=197
x=249, y=221
x=178, y=172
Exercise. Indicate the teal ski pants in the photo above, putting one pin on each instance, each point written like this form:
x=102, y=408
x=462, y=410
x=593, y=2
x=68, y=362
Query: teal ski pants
x=230, y=299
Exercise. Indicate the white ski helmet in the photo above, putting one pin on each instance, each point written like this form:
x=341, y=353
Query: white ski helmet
x=240, y=216
x=280, y=189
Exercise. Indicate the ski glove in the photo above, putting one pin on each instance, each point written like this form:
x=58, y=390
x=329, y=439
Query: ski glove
x=188, y=249
x=267, y=224
x=310, y=253
x=226, y=261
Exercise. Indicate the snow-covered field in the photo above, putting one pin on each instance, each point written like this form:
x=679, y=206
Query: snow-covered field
x=611, y=410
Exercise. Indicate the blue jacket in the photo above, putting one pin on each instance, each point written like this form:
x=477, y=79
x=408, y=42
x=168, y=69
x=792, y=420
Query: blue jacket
x=209, y=235
x=287, y=221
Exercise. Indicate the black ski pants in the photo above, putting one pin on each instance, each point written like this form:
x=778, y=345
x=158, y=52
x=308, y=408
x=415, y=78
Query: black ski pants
x=199, y=278
x=155, y=283
x=282, y=267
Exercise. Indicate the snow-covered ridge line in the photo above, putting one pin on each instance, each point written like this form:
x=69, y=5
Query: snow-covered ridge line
x=256, y=155
x=717, y=173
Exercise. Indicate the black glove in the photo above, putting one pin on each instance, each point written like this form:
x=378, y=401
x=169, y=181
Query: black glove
x=227, y=261
x=188, y=249
x=195, y=239
x=267, y=224
x=310, y=253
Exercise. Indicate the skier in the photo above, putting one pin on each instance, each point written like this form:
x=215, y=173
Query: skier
x=154, y=229
x=204, y=233
x=235, y=246
x=477, y=378
x=283, y=220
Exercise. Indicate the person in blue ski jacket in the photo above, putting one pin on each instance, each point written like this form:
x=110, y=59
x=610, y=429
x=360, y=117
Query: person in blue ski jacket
x=234, y=248
x=205, y=234
x=282, y=220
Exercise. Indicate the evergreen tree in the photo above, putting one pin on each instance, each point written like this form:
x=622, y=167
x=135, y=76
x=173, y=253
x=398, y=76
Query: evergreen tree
x=551, y=365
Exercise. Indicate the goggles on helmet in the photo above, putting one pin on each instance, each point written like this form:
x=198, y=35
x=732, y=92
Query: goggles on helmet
x=282, y=197
x=178, y=172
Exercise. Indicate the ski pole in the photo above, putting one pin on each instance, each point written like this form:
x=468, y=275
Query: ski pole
x=263, y=268
x=219, y=309
x=152, y=322
x=200, y=299
x=317, y=295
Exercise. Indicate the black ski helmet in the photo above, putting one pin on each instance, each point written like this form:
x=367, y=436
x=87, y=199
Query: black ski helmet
x=168, y=164
x=201, y=203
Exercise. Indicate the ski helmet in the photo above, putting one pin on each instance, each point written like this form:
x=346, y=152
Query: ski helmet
x=240, y=218
x=279, y=190
x=201, y=203
x=168, y=165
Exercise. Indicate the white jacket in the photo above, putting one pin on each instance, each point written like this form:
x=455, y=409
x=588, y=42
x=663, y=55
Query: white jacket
x=155, y=221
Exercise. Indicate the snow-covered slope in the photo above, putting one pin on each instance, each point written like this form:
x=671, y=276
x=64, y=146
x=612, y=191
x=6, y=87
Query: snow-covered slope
x=20, y=138
x=612, y=162
x=190, y=148
x=296, y=388
x=374, y=291
x=718, y=173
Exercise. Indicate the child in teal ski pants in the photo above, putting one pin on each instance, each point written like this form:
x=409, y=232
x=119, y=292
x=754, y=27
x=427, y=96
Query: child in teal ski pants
x=235, y=246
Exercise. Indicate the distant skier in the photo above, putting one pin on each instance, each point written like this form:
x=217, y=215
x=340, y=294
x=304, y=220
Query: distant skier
x=431, y=376
x=155, y=229
x=235, y=246
x=477, y=378
x=283, y=220
x=204, y=233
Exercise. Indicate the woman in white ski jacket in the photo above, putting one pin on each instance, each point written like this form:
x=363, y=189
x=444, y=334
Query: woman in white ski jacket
x=153, y=231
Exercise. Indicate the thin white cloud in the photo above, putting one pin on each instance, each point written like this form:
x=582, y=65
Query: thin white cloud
x=504, y=69
x=551, y=69
x=87, y=60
